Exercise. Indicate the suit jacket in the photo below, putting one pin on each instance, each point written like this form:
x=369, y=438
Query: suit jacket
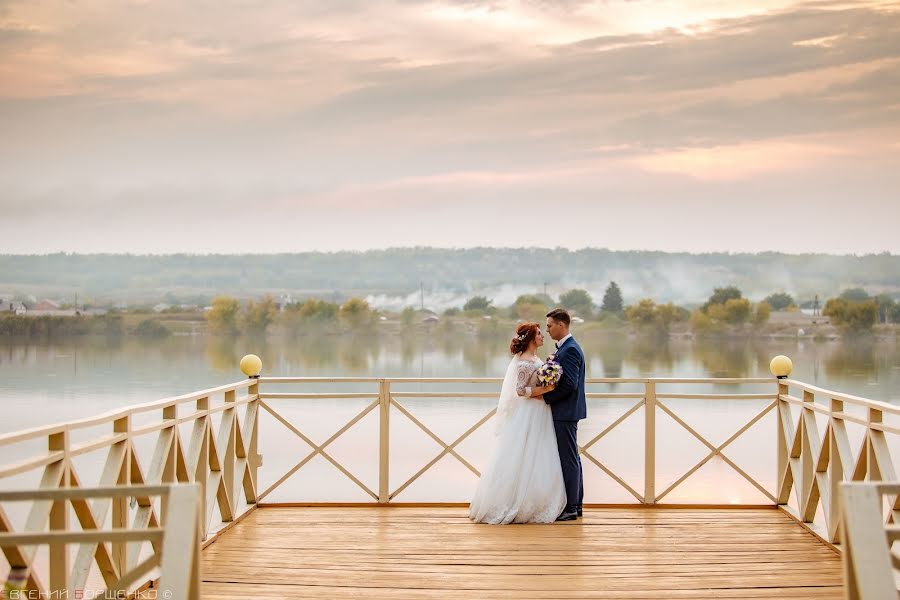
x=567, y=400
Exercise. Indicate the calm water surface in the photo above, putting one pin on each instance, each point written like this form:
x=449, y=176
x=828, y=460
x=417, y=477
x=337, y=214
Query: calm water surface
x=47, y=382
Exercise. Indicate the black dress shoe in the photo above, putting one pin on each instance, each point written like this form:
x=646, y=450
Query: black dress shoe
x=567, y=516
x=580, y=512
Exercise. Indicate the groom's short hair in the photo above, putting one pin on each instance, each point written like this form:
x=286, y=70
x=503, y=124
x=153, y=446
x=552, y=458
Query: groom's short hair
x=561, y=315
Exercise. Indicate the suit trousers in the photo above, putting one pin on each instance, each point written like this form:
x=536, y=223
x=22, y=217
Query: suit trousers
x=570, y=460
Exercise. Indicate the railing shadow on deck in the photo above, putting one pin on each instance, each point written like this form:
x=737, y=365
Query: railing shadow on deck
x=213, y=438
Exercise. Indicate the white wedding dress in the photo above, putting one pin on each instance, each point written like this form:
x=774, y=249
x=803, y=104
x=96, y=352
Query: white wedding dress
x=523, y=481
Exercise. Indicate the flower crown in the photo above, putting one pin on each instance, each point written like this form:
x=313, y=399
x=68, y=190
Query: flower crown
x=521, y=337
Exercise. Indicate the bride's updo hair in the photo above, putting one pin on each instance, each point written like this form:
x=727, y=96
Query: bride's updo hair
x=525, y=333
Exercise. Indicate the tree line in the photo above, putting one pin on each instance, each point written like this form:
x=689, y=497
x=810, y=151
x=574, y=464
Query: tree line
x=854, y=311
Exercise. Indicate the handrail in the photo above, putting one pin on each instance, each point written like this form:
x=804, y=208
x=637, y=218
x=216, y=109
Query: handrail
x=886, y=407
x=589, y=380
x=814, y=463
x=869, y=563
x=175, y=545
x=109, y=491
x=113, y=415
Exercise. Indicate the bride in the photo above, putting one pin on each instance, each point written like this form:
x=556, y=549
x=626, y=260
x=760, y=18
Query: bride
x=523, y=482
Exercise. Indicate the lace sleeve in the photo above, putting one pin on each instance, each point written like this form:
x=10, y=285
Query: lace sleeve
x=522, y=375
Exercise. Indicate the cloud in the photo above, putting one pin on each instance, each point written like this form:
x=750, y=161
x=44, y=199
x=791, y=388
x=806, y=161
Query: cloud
x=410, y=104
x=740, y=161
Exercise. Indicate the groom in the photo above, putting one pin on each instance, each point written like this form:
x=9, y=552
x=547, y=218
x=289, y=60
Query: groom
x=568, y=406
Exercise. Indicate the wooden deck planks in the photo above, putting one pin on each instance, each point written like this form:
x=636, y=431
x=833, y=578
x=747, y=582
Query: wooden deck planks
x=436, y=552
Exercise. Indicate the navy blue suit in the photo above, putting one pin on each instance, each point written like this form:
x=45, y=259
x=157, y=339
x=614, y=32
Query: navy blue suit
x=568, y=405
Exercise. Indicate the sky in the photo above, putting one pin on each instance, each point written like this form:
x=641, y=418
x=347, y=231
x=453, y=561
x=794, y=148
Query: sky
x=219, y=126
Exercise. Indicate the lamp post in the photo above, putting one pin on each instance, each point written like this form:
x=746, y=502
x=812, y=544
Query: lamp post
x=251, y=366
x=781, y=366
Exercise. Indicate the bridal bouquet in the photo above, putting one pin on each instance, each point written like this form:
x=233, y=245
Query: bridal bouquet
x=550, y=372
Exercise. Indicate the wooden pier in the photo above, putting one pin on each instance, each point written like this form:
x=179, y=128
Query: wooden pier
x=259, y=537
x=405, y=552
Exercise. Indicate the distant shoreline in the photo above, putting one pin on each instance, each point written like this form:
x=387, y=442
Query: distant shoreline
x=391, y=279
x=193, y=324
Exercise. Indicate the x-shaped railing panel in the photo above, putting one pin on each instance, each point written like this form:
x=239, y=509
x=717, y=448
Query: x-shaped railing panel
x=600, y=436
x=319, y=449
x=716, y=450
x=447, y=448
x=814, y=467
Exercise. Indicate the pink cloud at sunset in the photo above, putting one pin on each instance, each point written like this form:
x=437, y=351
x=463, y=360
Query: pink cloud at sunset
x=124, y=120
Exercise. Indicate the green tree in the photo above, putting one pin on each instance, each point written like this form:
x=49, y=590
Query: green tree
x=152, y=329
x=721, y=296
x=222, y=317
x=479, y=303
x=546, y=299
x=852, y=316
x=531, y=299
x=408, y=316
x=318, y=310
x=256, y=316
x=355, y=312
x=578, y=301
x=646, y=313
x=702, y=323
x=529, y=307
x=612, y=299
x=762, y=313
x=855, y=294
x=641, y=314
x=779, y=301
x=735, y=311
x=310, y=313
x=669, y=313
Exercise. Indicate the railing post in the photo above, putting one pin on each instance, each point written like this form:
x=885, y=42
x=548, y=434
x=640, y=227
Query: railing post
x=254, y=458
x=782, y=457
x=384, y=401
x=835, y=468
x=59, y=521
x=120, y=504
x=875, y=468
x=650, y=442
x=227, y=449
x=201, y=469
x=809, y=432
x=169, y=472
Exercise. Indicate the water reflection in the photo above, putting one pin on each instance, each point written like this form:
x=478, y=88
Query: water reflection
x=611, y=352
x=50, y=382
x=855, y=357
x=725, y=358
x=650, y=355
x=109, y=372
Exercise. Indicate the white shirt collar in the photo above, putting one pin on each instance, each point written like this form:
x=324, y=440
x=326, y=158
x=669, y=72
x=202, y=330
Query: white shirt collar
x=563, y=341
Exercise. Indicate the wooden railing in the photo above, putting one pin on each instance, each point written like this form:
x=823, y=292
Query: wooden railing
x=175, y=546
x=213, y=438
x=870, y=562
x=835, y=438
x=390, y=401
x=219, y=455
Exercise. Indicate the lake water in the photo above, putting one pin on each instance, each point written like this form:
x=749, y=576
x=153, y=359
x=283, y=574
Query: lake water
x=48, y=382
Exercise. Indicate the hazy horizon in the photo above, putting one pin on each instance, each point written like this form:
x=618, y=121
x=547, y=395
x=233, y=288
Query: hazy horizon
x=669, y=125
x=446, y=277
x=452, y=248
